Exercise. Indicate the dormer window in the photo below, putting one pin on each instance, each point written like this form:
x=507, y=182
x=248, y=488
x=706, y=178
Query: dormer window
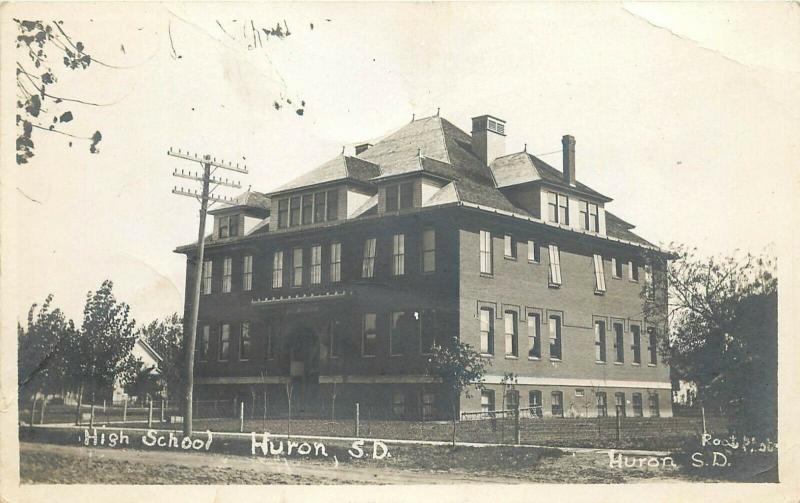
x=228, y=226
x=399, y=196
x=590, y=219
x=294, y=211
x=558, y=208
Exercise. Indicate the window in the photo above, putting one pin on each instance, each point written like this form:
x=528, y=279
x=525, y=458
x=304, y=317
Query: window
x=633, y=271
x=402, y=331
x=619, y=343
x=294, y=211
x=555, y=266
x=652, y=345
x=283, y=213
x=619, y=399
x=244, y=342
x=555, y=337
x=428, y=250
x=247, y=273
x=368, y=263
x=534, y=336
x=207, y=276
x=227, y=273
x=534, y=253
x=399, y=404
x=512, y=399
x=277, y=269
x=599, y=274
x=552, y=207
x=535, y=402
x=636, y=404
x=297, y=267
x=270, y=336
x=616, y=267
x=487, y=331
x=319, y=207
x=557, y=404
x=589, y=216
x=487, y=401
x=224, y=342
x=308, y=209
x=486, y=252
x=509, y=247
x=333, y=205
x=602, y=404
x=600, y=341
x=399, y=254
x=233, y=224
x=392, y=198
x=406, y=195
x=369, y=339
x=427, y=330
x=563, y=209
x=316, y=265
x=336, y=262
x=223, y=227
x=335, y=342
x=202, y=343
x=428, y=404
x=652, y=403
x=511, y=333
x=579, y=393
x=636, y=346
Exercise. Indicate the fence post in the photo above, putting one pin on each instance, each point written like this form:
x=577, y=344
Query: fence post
x=104, y=405
x=357, y=418
x=91, y=415
x=162, y=410
x=150, y=415
x=516, y=424
x=44, y=404
x=241, y=416
x=703, y=414
x=124, y=410
x=33, y=409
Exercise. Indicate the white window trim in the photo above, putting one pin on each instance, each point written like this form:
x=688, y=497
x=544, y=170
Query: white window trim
x=315, y=272
x=227, y=275
x=554, y=278
x=599, y=274
x=247, y=273
x=277, y=272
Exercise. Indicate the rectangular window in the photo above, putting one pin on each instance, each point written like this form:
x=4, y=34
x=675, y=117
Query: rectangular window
x=202, y=343
x=399, y=255
x=227, y=273
x=509, y=246
x=402, y=331
x=636, y=404
x=316, y=265
x=636, y=346
x=579, y=393
x=552, y=207
x=589, y=216
x=555, y=266
x=583, y=209
x=616, y=267
x=234, y=225
x=277, y=269
x=270, y=336
x=336, y=262
x=487, y=401
x=557, y=404
x=428, y=404
x=512, y=399
x=427, y=330
x=283, y=213
x=369, y=338
x=652, y=403
x=297, y=267
x=428, y=250
x=406, y=195
x=534, y=336
x=294, y=211
x=399, y=404
x=633, y=271
x=319, y=207
x=223, y=227
x=247, y=273
x=244, y=342
x=594, y=218
x=600, y=341
x=563, y=209
x=619, y=343
x=335, y=342
x=512, y=348
x=333, y=205
x=599, y=274
x=534, y=253
x=652, y=345
x=207, y=276
x=535, y=402
x=602, y=404
x=392, y=197
x=619, y=402
x=368, y=262
x=555, y=337
x=486, y=252
x=487, y=331
x=224, y=342
x=308, y=209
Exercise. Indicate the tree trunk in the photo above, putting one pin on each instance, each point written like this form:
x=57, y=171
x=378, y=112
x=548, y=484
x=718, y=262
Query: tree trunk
x=80, y=402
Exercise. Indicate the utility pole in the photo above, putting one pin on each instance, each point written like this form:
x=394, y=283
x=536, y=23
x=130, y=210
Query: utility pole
x=206, y=194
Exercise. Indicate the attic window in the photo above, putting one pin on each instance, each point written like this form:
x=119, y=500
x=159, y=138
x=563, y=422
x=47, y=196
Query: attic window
x=496, y=126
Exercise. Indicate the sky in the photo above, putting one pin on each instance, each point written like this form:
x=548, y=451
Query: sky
x=685, y=114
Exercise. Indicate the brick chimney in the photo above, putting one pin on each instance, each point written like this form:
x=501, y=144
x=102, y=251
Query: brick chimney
x=568, y=162
x=488, y=138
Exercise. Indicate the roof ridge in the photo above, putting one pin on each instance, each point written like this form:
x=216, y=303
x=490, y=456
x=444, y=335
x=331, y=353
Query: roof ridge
x=444, y=142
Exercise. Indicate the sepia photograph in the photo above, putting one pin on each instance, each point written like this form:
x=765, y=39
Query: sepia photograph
x=471, y=247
